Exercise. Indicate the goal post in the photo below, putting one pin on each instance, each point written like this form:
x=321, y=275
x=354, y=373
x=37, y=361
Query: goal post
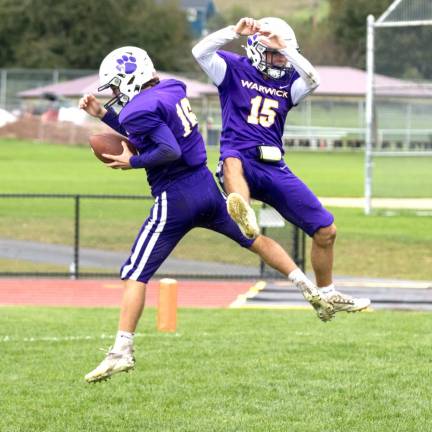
x=398, y=103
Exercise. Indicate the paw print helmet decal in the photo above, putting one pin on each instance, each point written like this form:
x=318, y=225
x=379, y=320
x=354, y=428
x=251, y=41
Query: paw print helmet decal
x=125, y=70
x=256, y=51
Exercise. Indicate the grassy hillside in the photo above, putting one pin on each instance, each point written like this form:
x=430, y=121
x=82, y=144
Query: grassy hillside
x=296, y=9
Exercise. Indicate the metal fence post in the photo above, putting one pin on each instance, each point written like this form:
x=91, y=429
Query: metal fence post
x=3, y=88
x=262, y=263
x=295, y=245
x=76, y=238
x=55, y=77
x=369, y=115
x=303, y=250
x=298, y=247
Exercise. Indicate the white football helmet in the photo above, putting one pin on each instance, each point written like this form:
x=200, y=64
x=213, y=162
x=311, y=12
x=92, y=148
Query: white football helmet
x=256, y=51
x=125, y=70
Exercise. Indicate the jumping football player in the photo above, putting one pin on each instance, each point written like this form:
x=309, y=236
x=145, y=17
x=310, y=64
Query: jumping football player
x=157, y=119
x=256, y=94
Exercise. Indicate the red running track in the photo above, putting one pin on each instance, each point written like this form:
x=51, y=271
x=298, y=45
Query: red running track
x=107, y=293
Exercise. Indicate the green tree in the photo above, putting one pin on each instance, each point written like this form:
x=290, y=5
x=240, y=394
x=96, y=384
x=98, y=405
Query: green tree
x=402, y=52
x=347, y=20
x=316, y=41
x=11, y=20
x=79, y=33
x=163, y=30
x=230, y=17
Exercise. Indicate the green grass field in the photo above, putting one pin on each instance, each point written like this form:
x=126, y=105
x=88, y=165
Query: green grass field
x=30, y=167
x=398, y=246
x=225, y=370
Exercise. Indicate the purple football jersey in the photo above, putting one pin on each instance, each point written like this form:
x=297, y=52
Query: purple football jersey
x=165, y=103
x=254, y=108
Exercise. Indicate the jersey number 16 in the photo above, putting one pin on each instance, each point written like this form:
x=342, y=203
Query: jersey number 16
x=187, y=117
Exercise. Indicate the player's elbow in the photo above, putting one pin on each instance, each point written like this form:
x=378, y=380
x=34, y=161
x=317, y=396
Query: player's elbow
x=196, y=51
x=314, y=80
x=200, y=55
x=171, y=153
x=176, y=154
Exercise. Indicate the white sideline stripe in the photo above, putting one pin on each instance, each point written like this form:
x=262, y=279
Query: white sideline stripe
x=7, y=338
x=390, y=284
x=142, y=239
x=153, y=239
x=63, y=338
x=241, y=299
x=292, y=307
x=384, y=203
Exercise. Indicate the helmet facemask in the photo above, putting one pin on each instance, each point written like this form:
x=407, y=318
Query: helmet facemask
x=256, y=50
x=119, y=100
x=258, y=54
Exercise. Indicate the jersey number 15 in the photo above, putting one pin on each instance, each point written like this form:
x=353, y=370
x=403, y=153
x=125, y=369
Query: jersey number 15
x=263, y=114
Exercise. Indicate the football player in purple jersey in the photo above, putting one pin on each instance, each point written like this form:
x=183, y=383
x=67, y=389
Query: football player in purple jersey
x=156, y=117
x=256, y=92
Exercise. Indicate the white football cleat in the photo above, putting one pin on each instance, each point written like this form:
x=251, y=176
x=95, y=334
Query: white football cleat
x=113, y=363
x=346, y=303
x=243, y=214
x=324, y=309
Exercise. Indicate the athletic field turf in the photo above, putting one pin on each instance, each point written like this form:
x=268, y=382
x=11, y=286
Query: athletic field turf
x=398, y=247
x=30, y=167
x=225, y=370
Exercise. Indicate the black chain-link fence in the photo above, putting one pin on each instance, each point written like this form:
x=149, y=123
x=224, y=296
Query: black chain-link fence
x=67, y=235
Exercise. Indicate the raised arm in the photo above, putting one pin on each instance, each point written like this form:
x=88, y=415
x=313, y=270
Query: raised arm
x=205, y=50
x=309, y=79
x=205, y=53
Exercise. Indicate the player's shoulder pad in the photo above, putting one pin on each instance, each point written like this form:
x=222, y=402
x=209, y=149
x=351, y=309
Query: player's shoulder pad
x=141, y=120
x=172, y=86
x=230, y=57
x=139, y=106
x=173, y=82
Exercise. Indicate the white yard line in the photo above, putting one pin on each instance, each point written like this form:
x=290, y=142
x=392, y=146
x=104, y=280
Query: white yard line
x=7, y=338
x=385, y=203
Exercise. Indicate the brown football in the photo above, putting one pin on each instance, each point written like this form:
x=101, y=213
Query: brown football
x=109, y=143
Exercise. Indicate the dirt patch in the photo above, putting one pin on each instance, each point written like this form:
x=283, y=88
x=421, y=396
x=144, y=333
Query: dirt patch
x=33, y=128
